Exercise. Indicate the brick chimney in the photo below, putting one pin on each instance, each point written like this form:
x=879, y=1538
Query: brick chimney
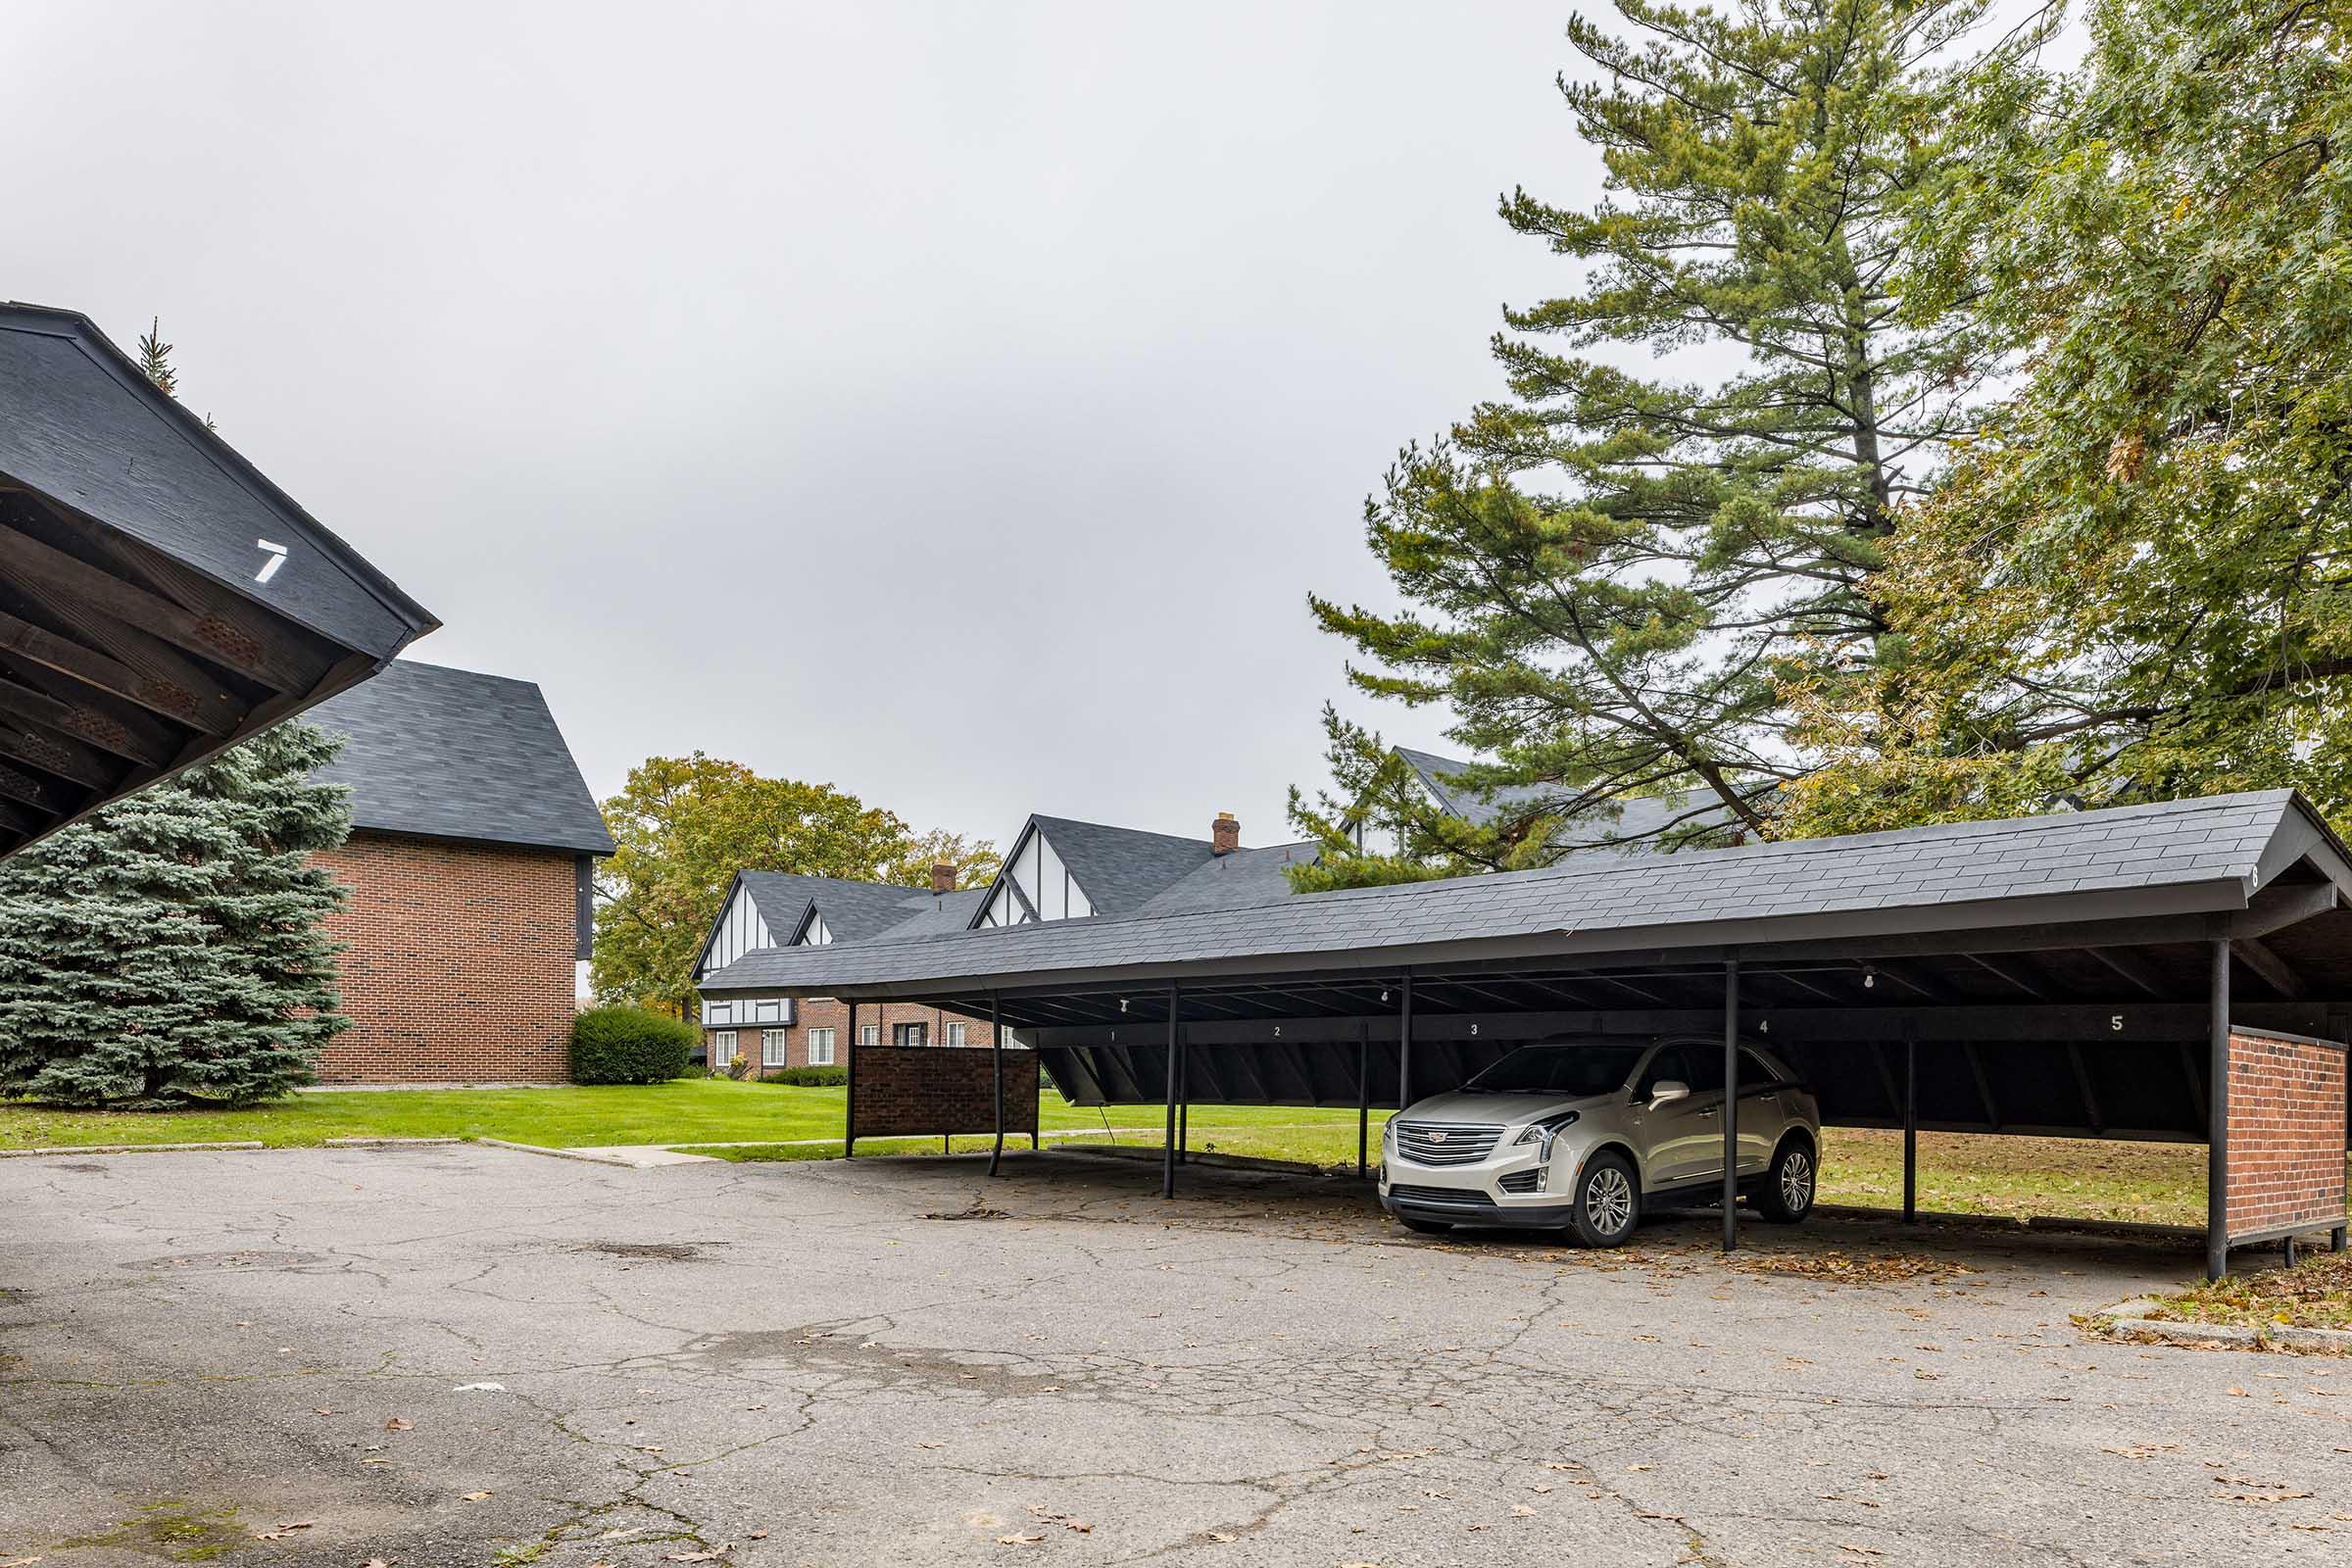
x=1224, y=834
x=943, y=876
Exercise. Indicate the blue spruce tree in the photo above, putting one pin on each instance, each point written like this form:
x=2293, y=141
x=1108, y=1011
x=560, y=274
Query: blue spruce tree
x=168, y=951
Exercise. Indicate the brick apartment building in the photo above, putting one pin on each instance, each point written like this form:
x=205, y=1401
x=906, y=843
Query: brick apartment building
x=1060, y=869
x=470, y=864
x=756, y=1037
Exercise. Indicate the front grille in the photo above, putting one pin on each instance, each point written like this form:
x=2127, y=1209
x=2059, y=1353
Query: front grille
x=1522, y=1181
x=1444, y=1197
x=1445, y=1143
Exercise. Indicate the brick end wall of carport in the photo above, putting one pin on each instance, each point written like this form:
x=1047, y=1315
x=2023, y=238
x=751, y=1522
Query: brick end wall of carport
x=915, y=1089
x=2286, y=1133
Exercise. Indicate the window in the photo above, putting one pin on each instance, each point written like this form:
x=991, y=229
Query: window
x=722, y=1048
x=771, y=1047
x=956, y=1034
x=820, y=1047
x=909, y=1034
x=1563, y=1069
x=870, y=1034
x=1752, y=1071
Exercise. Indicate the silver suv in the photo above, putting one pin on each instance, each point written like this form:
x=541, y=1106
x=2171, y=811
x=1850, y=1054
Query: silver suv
x=1579, y=1134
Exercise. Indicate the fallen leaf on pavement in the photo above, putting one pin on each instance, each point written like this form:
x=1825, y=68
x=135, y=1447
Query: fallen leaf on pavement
x=398, y=1423
x=475, y=1496
x=1018, y=1540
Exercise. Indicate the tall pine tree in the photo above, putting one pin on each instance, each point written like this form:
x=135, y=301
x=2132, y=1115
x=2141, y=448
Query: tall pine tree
x=169, y=950
x=1605, y=574
x=2138, y=583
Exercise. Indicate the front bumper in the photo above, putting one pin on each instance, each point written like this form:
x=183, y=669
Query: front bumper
x=1545, y=1214
x=1477, y=1195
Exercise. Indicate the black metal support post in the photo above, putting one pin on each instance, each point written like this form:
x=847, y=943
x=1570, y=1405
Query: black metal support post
x=848, y=1097
x=1404, y=1046
x=1167, y=1159
x=2336, y=1239
x=996, y=1064
x=1184, y=1102
x=2288, y=1248
x=2217, y=1117
x=1910, y=1128
x=1731, y=1104
x=1363, y=1101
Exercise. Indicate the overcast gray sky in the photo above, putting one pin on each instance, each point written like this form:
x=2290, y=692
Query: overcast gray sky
x=954, y=403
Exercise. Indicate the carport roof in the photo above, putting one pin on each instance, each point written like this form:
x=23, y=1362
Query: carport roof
x=2177, y=857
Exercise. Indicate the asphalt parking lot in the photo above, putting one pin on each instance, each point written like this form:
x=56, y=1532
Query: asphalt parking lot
x=466, y=1355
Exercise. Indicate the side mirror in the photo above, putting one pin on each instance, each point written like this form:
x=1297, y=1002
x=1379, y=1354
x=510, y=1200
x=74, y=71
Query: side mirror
x=1666, y=1090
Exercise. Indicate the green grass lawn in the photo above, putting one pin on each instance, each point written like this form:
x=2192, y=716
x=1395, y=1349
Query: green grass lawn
x=689, y=1110
x=1959, y=1173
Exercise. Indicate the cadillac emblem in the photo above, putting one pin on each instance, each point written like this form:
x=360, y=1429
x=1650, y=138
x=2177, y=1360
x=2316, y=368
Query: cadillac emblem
x=1439, y=1138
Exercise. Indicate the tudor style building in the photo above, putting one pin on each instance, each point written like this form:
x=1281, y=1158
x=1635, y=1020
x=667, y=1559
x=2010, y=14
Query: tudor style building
x=470, y=866
x=1058, y=870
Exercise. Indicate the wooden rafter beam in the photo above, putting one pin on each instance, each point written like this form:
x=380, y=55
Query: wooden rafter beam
x=89, y=723
x=2257, y=955
x=2131, y=968
x=74, y=587
x=2013, y=972
x=41, y=794
x=69, y=759
x=139, y=670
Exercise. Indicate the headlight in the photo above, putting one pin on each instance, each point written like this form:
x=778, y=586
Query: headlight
x=1541, y=1133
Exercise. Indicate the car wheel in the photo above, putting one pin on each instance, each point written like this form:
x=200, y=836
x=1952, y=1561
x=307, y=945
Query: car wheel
x=1609, y=1202
x=1423, y=1227
x=1786, y=1194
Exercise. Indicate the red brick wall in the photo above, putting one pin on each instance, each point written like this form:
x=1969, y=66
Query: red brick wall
x=2287, y=1134
x=901, y=1090
x=458, y=966
x=823, y=1012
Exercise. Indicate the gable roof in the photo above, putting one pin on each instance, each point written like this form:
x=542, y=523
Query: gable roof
x=1640, y=816
x=852, y=910
x=81, y=423
x=1120, y=868
x=2180, y=857
x=1234, y=879
x=163, y=600
x=450, y=754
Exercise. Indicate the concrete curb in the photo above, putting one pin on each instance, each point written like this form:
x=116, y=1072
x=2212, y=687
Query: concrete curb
x=2135, y=1320
x=557, y=1154
x=129, y=1148
x=390, y=1142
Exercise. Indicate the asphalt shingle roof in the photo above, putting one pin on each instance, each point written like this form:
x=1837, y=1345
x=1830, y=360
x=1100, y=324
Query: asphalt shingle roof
x=1230, y=881
x=2214, y=844
x=855, y=911
x=79, y=422
x=1120, y=867
x=448, y=754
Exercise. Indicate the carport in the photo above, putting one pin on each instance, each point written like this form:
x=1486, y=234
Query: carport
x=160, y=599
x=2178, y=971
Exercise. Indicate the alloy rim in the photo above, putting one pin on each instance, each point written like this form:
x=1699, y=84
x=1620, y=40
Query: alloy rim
x=1796, y=1181
x=1609, y=1201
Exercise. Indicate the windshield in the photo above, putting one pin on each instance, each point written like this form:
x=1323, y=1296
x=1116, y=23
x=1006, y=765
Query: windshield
x=1569, y=1071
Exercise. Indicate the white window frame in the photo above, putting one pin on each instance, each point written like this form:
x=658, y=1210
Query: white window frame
x=870, y=1034
x=722, y=1048
x=958, y=1034
x=773, y=1049
x=910, y=1035
x=820, y=1047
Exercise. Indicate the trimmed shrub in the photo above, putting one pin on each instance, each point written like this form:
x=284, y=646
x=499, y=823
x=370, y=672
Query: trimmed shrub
x=629, y=1045
x=809, y=1077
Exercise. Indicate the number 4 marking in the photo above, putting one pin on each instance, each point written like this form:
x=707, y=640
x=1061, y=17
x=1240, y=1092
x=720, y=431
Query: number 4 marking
x=278, y=559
